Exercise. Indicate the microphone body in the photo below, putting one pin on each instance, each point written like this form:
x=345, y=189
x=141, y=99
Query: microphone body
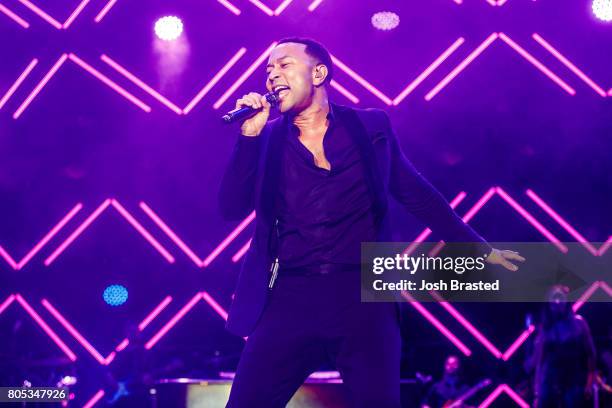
x=245, y=112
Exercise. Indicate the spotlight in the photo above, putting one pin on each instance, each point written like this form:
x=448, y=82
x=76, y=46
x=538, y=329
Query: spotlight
x=385, y=20
x=115, y=295
x=603, y=9
x=168, y=28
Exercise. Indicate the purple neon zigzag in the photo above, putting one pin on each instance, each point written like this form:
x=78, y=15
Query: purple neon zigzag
x=49, y=19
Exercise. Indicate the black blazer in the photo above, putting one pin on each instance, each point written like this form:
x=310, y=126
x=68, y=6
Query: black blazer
x=251, y=182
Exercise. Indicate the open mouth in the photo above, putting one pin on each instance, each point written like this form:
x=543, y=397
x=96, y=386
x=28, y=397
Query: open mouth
x=281, y=90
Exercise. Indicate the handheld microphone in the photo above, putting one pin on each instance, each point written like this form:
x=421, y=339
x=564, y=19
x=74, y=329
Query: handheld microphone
x=246, y=111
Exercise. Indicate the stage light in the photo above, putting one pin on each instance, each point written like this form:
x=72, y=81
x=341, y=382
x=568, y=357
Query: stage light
x=115, y=295
x=385, y=20
x=168, y=28
x=603, y=9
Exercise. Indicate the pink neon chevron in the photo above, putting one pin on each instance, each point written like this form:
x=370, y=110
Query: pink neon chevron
x=178, y=316
x=462, y=65
x=105, y=10
x=74, y=332
x=216, y=306
x=40, y=13
x=13, y=16
x=56, y=339
x=606, y=288
x=359, y=79
x=77, y=232
x=314, y=5
x=242, y=251
x=568, y=64
x=142, y=230
x=431, y=68
x=18, y=82
x=19, y=265
x=263, y=7
x=585, y=296
x=509, y=391
x=606, y=245
x=564, y=224
x=230, y=7
x=437, y=324
x=334, y=84
x=75, y=14
x=7, y=302
x=518, y=342
x=154, y=313
x=105, y=80
x=537, y=64
x=93, y=400
x=244, y=76
x=282, y=7
x=245, y=223
x=40, y=86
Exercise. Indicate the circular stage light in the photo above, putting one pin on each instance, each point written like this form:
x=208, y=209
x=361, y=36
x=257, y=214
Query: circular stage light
x=385, y=20
x=115, y=295
x=168, y=28
x=603, y=9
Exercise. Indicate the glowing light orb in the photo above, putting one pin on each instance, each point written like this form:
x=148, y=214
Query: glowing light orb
x=115, y=295
x=603, y=9
x=168, y=28
x=385, y=20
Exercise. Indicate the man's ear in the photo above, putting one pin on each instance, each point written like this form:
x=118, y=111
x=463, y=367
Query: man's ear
x=320, y=74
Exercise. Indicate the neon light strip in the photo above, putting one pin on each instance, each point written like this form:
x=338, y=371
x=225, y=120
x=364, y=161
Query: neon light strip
x=606, y=245
x=462, y=65
x=610, y=92
x=569, y=65
x=426, y=232
x=566, y=226
x=45, y=327
x=7, y=302
x=230, y=7
x=167, y=300
x=518, y=342
x=216, y=306
x=503, y=388
x=121, y=346
x=8, y=258
x=314, y=5
x=507, y=388
x=77, y=232
x=344, y=91
x=14, y=16
x=531, y=220
x=18, y=82
x=437, y=324
x=605, y=287
x=502, y=2
x=359, y=79
x=149, y=344
x=467, y=325
x=458, y=1
x=141, y=84
x=431, y=68
x=214, y=80
x=109, y=359
x=159, y=247
x=105, y=10
x=244, y=76
x=97, y=397
x=242, y=251
x=585, y=296
x=492, y=2
x=263, y=7
x=110, y=83
x=537, y=64
x=41, y=14
x=175, y=238
x=245, y=223
x=49, y=235
x=40, y=86
x=282, y=7
x=75, y=14
x=74, y=332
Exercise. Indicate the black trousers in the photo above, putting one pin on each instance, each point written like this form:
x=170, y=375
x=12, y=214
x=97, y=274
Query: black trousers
x=311, y=320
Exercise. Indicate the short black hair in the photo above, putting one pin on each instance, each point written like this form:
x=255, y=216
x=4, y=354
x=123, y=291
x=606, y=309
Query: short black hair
x=316, y=50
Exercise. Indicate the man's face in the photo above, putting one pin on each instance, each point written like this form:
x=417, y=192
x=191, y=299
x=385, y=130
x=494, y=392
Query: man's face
x=452, y=365
x=290, y=66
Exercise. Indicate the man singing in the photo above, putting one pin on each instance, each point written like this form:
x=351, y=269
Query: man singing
x=319, y=177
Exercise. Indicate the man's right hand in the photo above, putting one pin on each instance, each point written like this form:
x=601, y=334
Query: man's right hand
x=255, y=124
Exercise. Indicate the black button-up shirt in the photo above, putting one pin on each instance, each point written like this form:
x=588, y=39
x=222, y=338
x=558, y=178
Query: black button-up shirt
x=323, y=216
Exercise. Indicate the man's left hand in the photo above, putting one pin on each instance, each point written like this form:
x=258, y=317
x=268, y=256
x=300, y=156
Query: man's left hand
x=503, y=257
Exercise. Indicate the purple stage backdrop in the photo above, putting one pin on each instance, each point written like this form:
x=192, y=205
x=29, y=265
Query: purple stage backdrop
x=112, y=150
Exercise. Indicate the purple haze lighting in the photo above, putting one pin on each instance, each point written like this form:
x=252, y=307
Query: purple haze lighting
x=385, y=20
x=603, y=9
x=168, y=28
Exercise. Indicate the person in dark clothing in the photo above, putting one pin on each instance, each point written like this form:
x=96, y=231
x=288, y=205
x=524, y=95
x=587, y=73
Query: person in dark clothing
x=318, y=177
x=565, y=355
x=451, y=387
